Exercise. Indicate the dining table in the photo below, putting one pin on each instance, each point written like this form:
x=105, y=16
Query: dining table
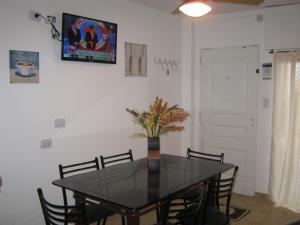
x=132, y=190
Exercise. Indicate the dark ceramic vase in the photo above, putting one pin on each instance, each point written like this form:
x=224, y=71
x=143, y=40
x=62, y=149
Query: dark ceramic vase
x=153, y=154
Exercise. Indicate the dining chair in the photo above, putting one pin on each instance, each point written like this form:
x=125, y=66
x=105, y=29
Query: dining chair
x=56, y=214
x=115, y=159
x=174, y=212
x=201, y=155
x=93, y=213
x=210, y=215
x=222, y=190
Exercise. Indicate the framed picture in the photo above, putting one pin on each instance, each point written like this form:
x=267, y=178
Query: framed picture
x=135, y=59
x=24, y=66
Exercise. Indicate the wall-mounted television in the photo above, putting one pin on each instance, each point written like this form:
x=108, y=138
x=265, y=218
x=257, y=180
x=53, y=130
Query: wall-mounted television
x=88, y=40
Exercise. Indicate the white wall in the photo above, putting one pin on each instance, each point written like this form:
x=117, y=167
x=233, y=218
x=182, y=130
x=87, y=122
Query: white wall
x=91, y=97
x=282, y=27
x=188, y=41
x=240, y=29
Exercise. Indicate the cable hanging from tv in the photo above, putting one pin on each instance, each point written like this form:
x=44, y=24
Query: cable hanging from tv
x=51, y=21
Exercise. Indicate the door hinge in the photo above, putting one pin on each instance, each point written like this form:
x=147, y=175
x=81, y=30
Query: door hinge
x=257, y=70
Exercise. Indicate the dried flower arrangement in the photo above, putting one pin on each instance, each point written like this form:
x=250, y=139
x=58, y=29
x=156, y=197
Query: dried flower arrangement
x=159, y=119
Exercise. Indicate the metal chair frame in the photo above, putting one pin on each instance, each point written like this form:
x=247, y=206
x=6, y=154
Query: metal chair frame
x=113, y=159
x=54, y=214
x=75, y=169
x=201, y=155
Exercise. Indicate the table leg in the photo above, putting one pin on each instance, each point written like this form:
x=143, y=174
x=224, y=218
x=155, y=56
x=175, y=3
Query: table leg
x=133, y=218
x=211, y=198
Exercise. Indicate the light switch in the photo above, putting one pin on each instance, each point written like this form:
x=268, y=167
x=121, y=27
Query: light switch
x=46, y=143
x=266, y=102
x=59, y=123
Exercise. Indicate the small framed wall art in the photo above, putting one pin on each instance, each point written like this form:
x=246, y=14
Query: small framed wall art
x=135, y=59
x=24, y=66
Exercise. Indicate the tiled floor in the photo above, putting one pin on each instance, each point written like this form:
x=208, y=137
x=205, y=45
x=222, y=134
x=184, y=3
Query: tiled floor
x=262, y=213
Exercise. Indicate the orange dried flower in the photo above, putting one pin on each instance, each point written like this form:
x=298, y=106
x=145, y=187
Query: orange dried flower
x=159, y=118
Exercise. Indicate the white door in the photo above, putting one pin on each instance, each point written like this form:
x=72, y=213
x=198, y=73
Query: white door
x=228, y=106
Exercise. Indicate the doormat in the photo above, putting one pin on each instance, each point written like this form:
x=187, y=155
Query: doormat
x=235, y=212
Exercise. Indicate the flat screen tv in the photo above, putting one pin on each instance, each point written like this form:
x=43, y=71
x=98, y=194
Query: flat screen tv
x=89, y=40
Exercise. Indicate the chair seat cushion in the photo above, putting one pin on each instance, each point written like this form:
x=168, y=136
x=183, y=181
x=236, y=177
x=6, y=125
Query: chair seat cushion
x=215, y=217
x=187, y=216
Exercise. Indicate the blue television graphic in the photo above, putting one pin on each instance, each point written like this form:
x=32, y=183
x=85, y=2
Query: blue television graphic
x=90, y=40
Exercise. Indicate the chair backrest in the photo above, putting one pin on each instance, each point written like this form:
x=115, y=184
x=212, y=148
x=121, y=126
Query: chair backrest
x=213, y=157
x=201, y=155
x=224, y=187
x=115, y=159
x=75, y=169
x=178, y=210
x=56, y=214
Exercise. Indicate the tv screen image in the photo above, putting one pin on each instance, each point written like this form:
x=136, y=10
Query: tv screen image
x=89, y=40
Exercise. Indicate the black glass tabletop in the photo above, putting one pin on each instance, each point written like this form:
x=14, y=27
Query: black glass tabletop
x=130, y=185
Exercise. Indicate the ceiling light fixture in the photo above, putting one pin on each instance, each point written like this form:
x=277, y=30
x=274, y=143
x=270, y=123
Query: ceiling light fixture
x=195, y=8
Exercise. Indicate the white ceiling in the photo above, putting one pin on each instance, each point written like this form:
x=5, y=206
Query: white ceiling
x=218, y=8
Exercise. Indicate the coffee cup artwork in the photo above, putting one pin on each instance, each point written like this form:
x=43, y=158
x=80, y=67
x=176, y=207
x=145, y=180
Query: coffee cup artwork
x=24, y=66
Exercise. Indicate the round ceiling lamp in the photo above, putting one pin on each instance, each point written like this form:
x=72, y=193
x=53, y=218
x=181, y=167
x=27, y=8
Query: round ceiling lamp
x=195, y=8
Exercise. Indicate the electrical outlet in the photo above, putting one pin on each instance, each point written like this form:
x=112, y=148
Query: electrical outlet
x=58, y=123
x=46, y=143
x=33, y=15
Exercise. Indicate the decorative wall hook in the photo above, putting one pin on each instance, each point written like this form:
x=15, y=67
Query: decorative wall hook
x=166, y=65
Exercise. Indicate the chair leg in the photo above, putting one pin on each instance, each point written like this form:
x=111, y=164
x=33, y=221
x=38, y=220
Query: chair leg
x=184, y=202
x=104, y=221
x=123, y=220
x=157, y=212
x=157, y=215
x=217, y=204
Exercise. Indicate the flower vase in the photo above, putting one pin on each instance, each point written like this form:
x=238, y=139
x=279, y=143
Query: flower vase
x=153, y=155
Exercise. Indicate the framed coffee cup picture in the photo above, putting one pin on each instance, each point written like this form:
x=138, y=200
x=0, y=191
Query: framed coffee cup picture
x=24, y=66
